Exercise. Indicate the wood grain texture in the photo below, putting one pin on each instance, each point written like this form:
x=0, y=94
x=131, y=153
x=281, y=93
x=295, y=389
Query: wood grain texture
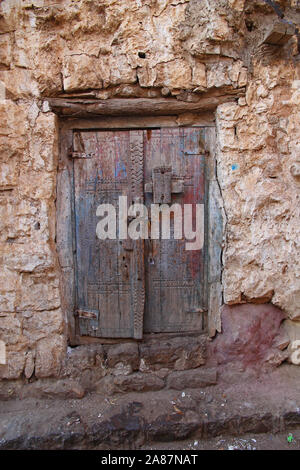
x=104, y=267
x=64, y=233
x=175, y=277
x=139, y=106
x=137, y=279
x=216, y=230
x=204, y=119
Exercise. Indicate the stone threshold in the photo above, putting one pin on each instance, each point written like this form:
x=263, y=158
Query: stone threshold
x=269, y=404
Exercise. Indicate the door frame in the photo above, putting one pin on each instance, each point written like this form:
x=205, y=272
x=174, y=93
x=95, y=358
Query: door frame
x=65, y=242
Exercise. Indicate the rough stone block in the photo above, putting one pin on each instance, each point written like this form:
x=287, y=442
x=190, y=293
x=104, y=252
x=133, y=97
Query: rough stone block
x=15, y=362
x=293, y=330
x=10, y=329
x=39, y=293
x=47, y=388
x=175, y=353
x=83, y=357
x=50, y=352
x=196, y=378
x=5, y=50
x=125, y=353
x=79, y=72
x=199, y=75
x=38, y=325
x=175, y=74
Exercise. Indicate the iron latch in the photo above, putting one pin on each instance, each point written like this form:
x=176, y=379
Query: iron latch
x=82, y=155
x=163, y=185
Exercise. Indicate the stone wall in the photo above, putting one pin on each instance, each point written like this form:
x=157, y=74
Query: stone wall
x=145, y=48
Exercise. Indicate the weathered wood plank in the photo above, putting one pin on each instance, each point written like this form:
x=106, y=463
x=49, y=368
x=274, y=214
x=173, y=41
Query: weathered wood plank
x=205, y=119
x=216, y=230
x=103, y=265
x=174, y=276
x=64, y=232
x=137, y=106
x=133, y=257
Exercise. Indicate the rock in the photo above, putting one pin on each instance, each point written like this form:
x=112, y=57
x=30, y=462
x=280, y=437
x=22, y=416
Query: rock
x=175, y=353
x=137, y=382
x=243, y=77
x=197, y=378
x=165, y=91
x=293, y=330
x=122, y=369
x=50, y=352
x=275, y=357
x=80, y=73
x=29, y=365
x=47, y=388
x=10, y=328
x=124, y=353
x=174, y=427
x=175, y=74
x=237, y=4
x=291, y=419
x=248, y=334
x=38, y=294
x=38, y=325
x=15, y=363
x=81, y=358
x=146, y=76
x=199, y=75
x=5, y=50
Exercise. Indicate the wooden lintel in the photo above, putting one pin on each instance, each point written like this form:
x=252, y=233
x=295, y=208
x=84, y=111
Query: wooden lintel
x=137, y=106
x=205, y=119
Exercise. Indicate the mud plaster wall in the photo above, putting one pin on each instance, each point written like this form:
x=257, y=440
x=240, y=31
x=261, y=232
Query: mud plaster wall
x=50, y=49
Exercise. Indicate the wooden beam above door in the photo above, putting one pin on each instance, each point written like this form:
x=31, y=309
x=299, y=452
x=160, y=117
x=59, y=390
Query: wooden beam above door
x=78, y=107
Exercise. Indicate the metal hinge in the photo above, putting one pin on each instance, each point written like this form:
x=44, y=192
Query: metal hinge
x=85, y=156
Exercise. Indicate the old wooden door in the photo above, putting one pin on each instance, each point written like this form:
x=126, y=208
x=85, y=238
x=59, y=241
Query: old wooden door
x=123, y=286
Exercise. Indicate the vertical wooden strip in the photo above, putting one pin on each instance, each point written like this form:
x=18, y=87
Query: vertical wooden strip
x=216, y=230
x=64, y=231
x=138, y=271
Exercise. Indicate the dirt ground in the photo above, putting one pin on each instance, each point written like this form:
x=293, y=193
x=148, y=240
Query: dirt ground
x=254, y=414
x=267, y=441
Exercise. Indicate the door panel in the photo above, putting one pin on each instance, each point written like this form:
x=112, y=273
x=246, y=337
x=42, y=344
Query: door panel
x=175, y=277
x=110, y=296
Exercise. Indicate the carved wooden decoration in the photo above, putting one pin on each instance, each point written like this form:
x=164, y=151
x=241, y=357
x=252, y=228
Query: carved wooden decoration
x=137, y=280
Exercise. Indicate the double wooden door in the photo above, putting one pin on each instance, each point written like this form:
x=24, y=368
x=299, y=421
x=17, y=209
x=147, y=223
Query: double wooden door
x=126, y=286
